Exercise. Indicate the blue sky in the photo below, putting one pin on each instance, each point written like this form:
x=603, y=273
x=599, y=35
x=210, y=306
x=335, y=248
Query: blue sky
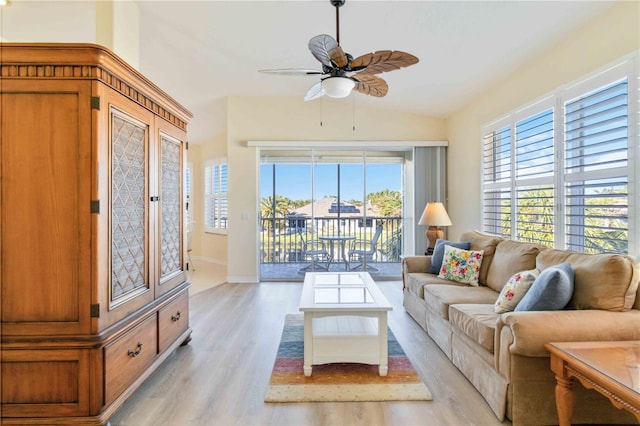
x=294, y=180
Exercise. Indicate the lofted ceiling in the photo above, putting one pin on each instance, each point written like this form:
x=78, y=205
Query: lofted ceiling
x=204, y=51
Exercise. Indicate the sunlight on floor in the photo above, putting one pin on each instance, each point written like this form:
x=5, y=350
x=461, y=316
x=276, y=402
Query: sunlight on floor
x=205, y=275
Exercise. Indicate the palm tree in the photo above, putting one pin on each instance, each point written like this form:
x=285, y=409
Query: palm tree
x=267, y=211
x=387, y=202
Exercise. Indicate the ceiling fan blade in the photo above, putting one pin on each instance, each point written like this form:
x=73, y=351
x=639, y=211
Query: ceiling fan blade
x=291, y=71
x=325, y=49
x=370, y=85
x=314, y=92
x=382, y=61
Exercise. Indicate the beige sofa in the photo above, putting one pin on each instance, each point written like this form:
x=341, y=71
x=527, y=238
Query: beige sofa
x=503, y=355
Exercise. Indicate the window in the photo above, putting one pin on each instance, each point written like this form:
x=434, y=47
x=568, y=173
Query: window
x=596, y=170
x=560, y=172
x=534, y=169
x=497, y=182
x=215, y=196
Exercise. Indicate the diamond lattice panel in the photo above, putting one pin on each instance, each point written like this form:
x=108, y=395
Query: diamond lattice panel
x=170, y=199
x=128, y=208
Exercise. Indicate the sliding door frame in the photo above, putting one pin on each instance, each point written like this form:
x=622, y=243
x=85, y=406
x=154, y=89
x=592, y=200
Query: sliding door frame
x=413, y=192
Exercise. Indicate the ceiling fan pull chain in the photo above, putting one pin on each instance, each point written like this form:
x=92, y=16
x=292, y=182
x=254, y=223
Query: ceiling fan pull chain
x=321, y=109
x=353, y=112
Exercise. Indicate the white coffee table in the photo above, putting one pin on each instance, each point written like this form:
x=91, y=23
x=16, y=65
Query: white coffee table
x=345, y=320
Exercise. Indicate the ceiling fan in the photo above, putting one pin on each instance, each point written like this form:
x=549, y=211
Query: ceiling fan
x=341, y=73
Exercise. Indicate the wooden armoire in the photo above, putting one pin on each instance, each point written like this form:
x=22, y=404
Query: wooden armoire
x=93, y=285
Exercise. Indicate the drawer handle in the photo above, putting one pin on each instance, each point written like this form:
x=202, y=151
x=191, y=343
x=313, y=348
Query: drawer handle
x=135, y=353
x=175, y=317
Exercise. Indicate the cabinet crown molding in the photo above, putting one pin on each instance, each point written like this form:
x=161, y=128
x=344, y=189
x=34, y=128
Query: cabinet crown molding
x=86, y=61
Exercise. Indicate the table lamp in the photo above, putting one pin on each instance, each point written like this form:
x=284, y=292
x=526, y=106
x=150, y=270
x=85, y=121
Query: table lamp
x=434, y=215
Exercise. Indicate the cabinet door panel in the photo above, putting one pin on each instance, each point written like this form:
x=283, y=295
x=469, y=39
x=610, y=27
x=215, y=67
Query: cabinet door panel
x=129, y=214
x=125, y=239
x=170, y=206
x=44, y=214
x=170, y=225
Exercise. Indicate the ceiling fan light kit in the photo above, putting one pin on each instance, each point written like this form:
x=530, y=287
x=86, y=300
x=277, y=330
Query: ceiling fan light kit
x=344, y=73
x=337, y=87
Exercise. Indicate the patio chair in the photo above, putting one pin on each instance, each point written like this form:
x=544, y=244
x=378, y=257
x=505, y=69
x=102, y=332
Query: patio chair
x=363, y=251
x=315, y=252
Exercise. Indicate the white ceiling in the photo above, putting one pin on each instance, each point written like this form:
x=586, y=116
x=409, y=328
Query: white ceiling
x=203, y=51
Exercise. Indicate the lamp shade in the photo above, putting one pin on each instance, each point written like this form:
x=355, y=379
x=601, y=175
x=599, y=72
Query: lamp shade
x=434, y=214
x=337, y=87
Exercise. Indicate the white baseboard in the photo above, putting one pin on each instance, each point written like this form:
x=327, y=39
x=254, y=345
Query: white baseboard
x=241, y=280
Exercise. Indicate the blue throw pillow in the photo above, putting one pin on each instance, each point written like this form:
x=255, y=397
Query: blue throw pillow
x=438, y=253
x=551, y=291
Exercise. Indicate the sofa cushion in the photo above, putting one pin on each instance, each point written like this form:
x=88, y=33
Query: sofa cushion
x=551, y=291
x=515, y=289
x=485, y=242
x=511, y=257
x=478, y=322
x=601, y=281
x=438, y=253
x=439, y=297
x=416, y=281
x=461, y=265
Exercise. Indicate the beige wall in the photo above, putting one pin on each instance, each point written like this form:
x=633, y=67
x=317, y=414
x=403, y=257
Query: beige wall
x=611, y=36
x=292, y=119
x=48, y=21
x=206, y=246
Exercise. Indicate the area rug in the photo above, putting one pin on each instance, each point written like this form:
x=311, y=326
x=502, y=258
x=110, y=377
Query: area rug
x=340, y=381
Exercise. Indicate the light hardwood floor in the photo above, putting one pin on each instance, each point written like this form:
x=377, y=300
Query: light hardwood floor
x=221, y=377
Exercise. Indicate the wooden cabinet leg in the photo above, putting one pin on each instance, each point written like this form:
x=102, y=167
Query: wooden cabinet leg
x=565, y=399
x=186, y=341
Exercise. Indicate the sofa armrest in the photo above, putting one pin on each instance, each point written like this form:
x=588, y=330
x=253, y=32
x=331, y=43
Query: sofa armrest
x=414, y=264
x=531, y=330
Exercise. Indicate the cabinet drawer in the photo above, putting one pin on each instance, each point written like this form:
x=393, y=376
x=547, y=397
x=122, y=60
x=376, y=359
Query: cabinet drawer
x=44, y=382
x=173, y=320
x=128, y=357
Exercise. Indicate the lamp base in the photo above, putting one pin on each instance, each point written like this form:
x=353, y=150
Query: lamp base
x=433, y=233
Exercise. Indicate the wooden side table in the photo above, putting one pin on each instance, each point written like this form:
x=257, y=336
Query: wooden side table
x=611, y=368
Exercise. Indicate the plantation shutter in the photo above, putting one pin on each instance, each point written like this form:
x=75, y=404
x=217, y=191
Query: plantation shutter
x=215, y=196
x=497, y=182
x=535, y=178
x=596, y=170
x=222, y=197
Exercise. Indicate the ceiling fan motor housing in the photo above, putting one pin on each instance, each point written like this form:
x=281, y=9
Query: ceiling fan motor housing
x=337, y=3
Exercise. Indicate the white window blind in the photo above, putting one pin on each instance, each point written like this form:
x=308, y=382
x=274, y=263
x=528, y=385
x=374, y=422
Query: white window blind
x=534, y=178
x=215, y=196
x=596, y=170
x=497, y=183
x=497, y=211
x=572, y=181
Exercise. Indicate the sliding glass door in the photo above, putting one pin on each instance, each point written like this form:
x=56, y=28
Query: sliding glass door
x=330, y=210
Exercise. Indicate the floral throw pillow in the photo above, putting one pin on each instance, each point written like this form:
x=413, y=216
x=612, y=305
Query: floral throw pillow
x=514, y=290
x=461, y=265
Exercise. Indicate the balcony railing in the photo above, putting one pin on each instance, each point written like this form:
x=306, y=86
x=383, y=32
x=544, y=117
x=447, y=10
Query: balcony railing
x=281, y=238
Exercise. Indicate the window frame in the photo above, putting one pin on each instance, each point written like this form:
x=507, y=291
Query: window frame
x=628, y=68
